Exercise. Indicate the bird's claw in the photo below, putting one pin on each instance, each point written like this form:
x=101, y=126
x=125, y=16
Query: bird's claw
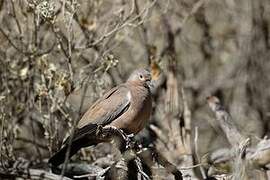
x=124, y=136
x=128, y=138
x=99, y=130
x=130, y=135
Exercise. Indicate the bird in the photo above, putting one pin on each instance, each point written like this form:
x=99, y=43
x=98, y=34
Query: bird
x=126, y=107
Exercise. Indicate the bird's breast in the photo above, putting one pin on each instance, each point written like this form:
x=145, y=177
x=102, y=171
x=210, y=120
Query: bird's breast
x=138, y=114
x=141, y=105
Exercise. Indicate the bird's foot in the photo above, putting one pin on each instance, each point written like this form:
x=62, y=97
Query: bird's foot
x=123, y=135
x=99, y=130
x=120, y=132
x=128, y=138
x=131, y=135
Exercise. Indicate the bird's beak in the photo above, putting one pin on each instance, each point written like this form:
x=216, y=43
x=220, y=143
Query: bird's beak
x=149, y=82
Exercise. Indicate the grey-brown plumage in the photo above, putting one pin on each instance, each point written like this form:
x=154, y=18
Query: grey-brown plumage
x=127, y=107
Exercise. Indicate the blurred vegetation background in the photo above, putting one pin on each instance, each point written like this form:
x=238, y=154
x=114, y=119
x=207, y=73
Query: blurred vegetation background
x=57, y=57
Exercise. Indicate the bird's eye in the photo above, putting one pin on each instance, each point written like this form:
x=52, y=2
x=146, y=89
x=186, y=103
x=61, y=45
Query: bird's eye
x=141, y=76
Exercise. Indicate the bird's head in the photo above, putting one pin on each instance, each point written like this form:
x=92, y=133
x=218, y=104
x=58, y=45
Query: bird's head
x=140, y=76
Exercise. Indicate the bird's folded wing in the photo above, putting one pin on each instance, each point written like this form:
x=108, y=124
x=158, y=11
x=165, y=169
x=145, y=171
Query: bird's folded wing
x=108, y=108
x=86, y=131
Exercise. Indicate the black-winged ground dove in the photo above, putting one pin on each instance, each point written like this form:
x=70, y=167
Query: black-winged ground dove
x=126, y=107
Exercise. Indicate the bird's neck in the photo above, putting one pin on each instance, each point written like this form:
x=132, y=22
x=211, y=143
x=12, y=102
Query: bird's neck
x=138, y=90
x=138, y=84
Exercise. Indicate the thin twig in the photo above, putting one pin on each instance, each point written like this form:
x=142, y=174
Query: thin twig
x=190, y=167
x=11, y=43
x=118, y=27
x=141, y=174
x=197, y=154
x=16, y=18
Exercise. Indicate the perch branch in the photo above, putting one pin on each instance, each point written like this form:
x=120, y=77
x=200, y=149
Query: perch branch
x=131, y=150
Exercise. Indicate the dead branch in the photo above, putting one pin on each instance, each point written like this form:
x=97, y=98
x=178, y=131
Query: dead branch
x=31, y=174
x=236, y=139
x=243, y=156
x=261, y=154
x=225, y=120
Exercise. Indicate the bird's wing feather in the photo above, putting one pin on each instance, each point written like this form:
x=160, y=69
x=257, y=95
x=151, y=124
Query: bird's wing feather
x=88, y=130
x=108, y=108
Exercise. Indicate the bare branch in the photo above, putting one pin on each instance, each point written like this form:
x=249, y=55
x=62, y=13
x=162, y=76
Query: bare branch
x=224, y=119
x=197, y=154
x=32, y=174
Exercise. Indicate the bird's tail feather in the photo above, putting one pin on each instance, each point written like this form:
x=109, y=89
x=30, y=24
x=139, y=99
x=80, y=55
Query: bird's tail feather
x=59, y=157
x=81, y=139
